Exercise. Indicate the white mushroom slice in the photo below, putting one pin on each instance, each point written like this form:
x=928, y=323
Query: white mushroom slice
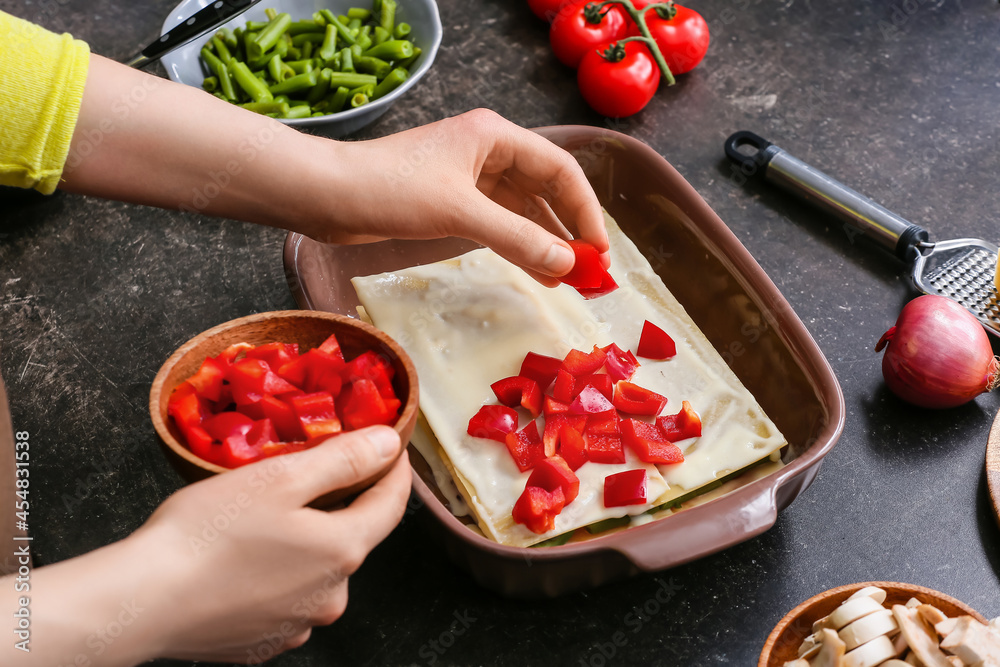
x=895, y=663
x=868, y=628
x=899, y=643
x=873, y=592
x=797, y=663
x=873, y=653
x=957, y=662
x=973, y=642
x=851, y=611
x=832, y=652
x=994, y=626
x=931, y=614
x=809, y=646
x=913, y=603
x=945, y=627
x=912, y=659
x=921, y=638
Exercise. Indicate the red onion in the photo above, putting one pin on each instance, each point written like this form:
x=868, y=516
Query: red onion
x=938, y=354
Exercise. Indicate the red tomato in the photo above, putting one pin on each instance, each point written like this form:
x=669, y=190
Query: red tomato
x=683, y=40
x=547, y=9
x=572, y=34
x=622, y=88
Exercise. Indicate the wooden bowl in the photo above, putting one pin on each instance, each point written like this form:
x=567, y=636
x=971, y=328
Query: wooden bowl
x=307, y=328
x=783, y=643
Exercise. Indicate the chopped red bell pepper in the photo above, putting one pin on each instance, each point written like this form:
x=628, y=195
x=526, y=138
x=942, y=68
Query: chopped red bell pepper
x=607, y=286
x=625, y=488
x=493, y=422
x=599, y=381
x=621, y=364
x=228, y=356
x=365, y=406
x=553, y=429
x=540, y=368
x=208, y=380
x=517, y=390
x=588, y=271
x=283, y=416
x=331, y=346
x=275, y=354
x=590, y=400
x=654, y=343
x=649, y=443
x=324, y=372
x=572, y=447
x=203, y=445
x=604, y=423
x=186, y=407
x=553, y=473
x=374, y=367
x=604, y=448
x=537, y=509
x=635, y=400
x=227, y=424
x=551, y=406
x=526, y=447
x=685, y=424
x=579, y=363
x=562, y=390
x=317, y=414
x=252, y=379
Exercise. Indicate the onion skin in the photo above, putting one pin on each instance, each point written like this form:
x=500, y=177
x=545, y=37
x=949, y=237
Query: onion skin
x=937, y=355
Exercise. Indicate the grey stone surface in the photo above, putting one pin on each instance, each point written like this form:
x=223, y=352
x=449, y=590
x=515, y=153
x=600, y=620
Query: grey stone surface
x=900, y=100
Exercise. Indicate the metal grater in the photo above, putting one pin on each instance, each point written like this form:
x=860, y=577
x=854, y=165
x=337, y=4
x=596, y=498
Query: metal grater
x=959, y=269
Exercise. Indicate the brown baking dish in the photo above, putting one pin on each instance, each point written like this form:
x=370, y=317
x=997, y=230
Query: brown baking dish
x=726, y=293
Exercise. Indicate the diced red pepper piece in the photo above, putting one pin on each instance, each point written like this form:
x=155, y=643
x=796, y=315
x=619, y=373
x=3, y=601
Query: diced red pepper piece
x=228, y=356
x=537, y=509
x=553, y=429
x=252, y=379
x=572, y=447
x=602, y=448
x=366, y=407
x=371, y=366
x=331, y=346
x=603, y=423
x=621, y=364
x=240, y=449
x=317, y=414
x=562, y=390
x=526, y=447
x=275, y=354
x=208, y=380
x=654, y=343
x=590, y=400
x=598, y=381
x=625, y=488
x=551, y=406
x=685, y=424
x=203, y=445
x=649, y=443
x=540, y=368
x=261, y=433
x=608, y=285
x=227, y=424
x=324, y=372
x=186, y=407
x=554, y=473
x=517, y=390
x=579, y=363
x=635, y=400
x=295, y=371
x=282, y=416
x=493, y=422
x=587, y=271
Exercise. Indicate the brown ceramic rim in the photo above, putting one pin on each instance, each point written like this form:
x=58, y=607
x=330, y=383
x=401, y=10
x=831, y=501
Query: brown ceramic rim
x=841, y=593
x=792, y=332
x=410, y=405
x=993, y=465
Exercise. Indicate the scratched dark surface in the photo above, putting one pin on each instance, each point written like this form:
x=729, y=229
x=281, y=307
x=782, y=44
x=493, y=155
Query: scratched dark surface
x=900, y=100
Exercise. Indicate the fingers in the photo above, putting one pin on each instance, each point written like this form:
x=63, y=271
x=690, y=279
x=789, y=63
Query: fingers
x=339, y=462
x=378, y=510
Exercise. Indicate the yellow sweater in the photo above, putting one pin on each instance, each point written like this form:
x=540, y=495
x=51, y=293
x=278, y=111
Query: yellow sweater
x=42, y=76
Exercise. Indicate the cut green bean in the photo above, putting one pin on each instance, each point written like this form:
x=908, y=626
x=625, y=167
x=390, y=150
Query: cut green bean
x=322, y=87
x=318, y=18
x=343, y=19
x=391, y=82
x=367, y=90
x=376, y=66
x=221, y=96
x=294, y=53
x=282, y=98
x=228, y=38
x=280, y=108
x=221, y=72
x=364, y=40
x=358, y=100
x=296, y=84
x=336, y=102
x=281, y=48
x=221, y=50
x=359, y=13
x=297, y=103
x=302, y=111
x=342, y=30
x=210, y=84
x=270, y=13
x=346, y=60
x=270, y=35
x=274, y=67
x=387, y=14
x=350, y=79
x=329, y=47
x=300, y=40
x=380, y=35
x=354, y=25
x=307, y=50
x=302, y=27
x=251, y=85
x=256, y=26
x=408, y=62
x=401, y=31
x=394, y=49
x=300, y=66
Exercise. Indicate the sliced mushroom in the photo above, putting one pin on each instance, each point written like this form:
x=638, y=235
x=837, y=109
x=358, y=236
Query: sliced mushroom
x=851, y=611
x=871, y=654
x=868, y=628
x=913, y=603
x=810, y=646
x=945, y=627
x=895, y=663
x=931, y=614
x=873, y=592
x=921, y=638
x=831, y=653
x=973, y=642
x=797, y=663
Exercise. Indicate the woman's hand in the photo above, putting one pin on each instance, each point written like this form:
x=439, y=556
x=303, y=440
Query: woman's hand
x=235, y=568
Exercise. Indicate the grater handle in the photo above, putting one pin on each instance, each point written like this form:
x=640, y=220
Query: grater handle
x=863, y=216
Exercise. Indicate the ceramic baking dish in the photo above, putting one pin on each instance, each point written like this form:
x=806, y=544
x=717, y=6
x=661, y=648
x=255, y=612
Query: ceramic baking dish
x=726, y=293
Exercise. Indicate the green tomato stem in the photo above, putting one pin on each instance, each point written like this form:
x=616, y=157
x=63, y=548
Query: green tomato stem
x=647, y=37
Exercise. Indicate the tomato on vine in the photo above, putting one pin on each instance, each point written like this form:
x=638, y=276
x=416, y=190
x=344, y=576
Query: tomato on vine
x=680, y=32
x=582, y=26
x=547, y=9
x=619, y=79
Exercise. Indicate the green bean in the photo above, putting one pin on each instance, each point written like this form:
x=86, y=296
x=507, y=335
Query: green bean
x=262, y=75
x=356, y=51
x=317, y=114
x=274, y=67
x=401, y=31
x=301, y=39
x=221, y=73
x=359, y=13
x=271, y=13
x=329, y=47
x=391, y=82
x=387, y=14
x=280, y=108
x=376, y=66
x=318, y=18
x=380, y=35
x=296, y=84
x=294, y=52
x=300, y=66
x=350, y=79
x=342, y=30
x=322, y=87
x=364, y=39
x=343, y=19
x=210, y=84
x=354, y=25
x=253, y=86
x=228, y=38
x=297, y=103
x=336, y=102
x=394, y=49
x=282, y=98
x=358, y=100
x=281, y=48
x=256, y=26
x=221, y=96
x=258, y=63
x=346, y=60
x=334, y=63
x=367, y=90
x=221, y=49
x=307, y=50
x=302, y=111
x=408, y=62
x=270, y=35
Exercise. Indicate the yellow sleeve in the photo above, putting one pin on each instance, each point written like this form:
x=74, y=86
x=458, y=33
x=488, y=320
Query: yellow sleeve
x=42, y=76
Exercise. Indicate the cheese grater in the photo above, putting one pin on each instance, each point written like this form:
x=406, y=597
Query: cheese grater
x=959, y=269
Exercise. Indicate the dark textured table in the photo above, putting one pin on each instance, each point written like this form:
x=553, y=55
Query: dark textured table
x=900, y=100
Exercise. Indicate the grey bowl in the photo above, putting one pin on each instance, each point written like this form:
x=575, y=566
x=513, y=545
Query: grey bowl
x=184, y=64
